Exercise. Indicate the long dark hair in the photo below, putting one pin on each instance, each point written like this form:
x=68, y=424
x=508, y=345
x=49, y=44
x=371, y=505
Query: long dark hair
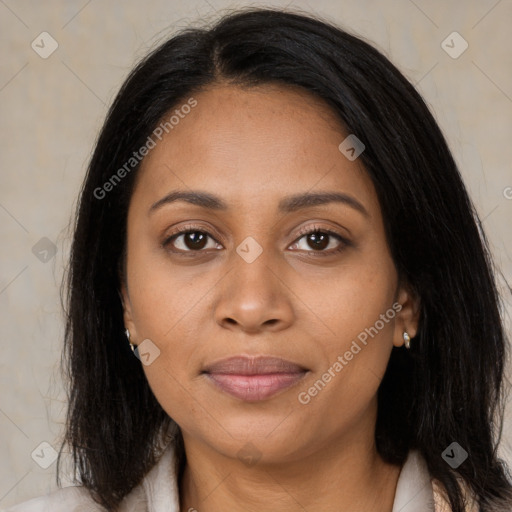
x=447, y=388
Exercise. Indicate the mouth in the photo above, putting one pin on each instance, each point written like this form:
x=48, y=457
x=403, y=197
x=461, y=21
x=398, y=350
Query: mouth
x=254, y=378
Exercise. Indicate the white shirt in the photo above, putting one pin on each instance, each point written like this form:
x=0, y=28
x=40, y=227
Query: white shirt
x=158, y=492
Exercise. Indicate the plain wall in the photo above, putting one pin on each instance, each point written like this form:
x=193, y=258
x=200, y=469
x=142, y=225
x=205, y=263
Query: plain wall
x=52, y=109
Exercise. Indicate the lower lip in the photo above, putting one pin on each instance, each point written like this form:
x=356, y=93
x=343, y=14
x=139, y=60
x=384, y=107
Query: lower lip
x=252, y=388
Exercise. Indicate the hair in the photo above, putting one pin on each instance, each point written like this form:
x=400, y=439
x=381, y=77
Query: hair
x=448, y=387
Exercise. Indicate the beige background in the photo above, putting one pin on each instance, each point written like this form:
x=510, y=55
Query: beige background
x=52, y=109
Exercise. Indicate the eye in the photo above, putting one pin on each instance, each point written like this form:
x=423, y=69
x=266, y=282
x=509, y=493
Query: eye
x=190, y=239
x=319, y=239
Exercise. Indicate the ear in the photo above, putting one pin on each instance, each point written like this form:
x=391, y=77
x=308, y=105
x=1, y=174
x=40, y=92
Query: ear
x=127, y=312
x=407, y=319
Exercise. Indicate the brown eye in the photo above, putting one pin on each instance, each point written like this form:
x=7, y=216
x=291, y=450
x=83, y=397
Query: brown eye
x=317, y=241
x=189, y=239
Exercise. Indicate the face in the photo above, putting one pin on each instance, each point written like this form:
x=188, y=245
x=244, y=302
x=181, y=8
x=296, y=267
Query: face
x=302, y=292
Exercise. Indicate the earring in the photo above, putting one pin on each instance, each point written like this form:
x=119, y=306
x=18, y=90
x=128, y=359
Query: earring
x=407, y=340
x=132, y=346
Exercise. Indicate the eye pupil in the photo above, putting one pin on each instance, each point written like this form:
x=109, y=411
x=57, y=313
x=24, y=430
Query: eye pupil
x=320, y=240
x=195, y=240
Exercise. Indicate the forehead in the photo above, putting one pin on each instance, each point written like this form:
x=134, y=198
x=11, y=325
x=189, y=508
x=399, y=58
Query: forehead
x=254, y=144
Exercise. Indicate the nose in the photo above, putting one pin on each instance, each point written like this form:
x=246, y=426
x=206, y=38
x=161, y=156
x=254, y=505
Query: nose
x=254, y=297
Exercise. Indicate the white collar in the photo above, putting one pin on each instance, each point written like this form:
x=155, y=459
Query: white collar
x=413, y=492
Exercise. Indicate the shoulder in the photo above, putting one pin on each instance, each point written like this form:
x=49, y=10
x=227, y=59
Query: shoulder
x=417, y=490
x=442, y=503
x=65, y=499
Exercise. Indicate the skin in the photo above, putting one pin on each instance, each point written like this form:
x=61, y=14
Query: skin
x=252, y=147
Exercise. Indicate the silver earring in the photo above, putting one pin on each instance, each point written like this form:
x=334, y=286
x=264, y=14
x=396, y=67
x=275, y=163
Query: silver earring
x=407, y=340
x=132, y=346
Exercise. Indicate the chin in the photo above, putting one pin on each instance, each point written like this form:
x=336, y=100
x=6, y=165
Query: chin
x=265, y=436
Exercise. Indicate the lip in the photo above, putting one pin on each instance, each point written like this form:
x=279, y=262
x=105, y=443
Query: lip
x=254, y=378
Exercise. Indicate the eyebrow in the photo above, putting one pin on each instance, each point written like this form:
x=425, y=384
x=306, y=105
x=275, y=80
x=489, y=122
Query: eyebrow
x=288, y=204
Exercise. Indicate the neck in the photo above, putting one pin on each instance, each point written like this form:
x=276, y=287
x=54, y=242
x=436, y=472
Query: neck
x=338, y=477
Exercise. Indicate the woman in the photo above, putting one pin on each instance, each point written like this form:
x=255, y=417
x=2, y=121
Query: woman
x=273, y=219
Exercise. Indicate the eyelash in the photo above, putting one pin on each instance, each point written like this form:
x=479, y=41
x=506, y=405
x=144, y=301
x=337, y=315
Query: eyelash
x=303, y=232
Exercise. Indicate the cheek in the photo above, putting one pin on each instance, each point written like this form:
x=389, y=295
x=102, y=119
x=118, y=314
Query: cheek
x=167, y=312
x=351, y=301
x=167, y=380
x=357, y=352
x=165, y=300
x=356, y=322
